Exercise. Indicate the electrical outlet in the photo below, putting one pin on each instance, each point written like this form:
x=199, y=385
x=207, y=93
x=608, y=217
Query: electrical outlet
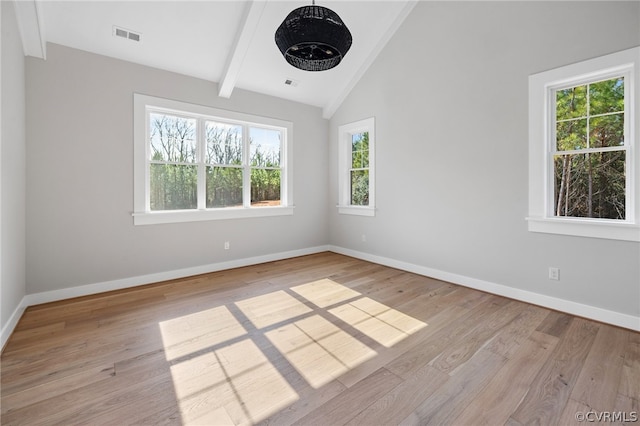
x=226, y=245
x=364, y=238
x=554, y=273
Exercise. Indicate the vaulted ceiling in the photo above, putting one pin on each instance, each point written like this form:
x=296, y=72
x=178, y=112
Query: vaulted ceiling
x=228, y=42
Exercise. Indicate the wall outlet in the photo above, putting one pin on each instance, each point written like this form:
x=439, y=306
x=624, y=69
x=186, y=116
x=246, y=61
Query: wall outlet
x=364, y=238
x=226, y=245
x=554, y=273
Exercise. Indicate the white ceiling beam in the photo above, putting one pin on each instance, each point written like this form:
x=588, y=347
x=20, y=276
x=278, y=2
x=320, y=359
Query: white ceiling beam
x=30, y=25
x=252, y=15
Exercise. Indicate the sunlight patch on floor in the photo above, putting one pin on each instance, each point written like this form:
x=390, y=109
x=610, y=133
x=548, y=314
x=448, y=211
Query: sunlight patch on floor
x=318, y=331
x=237, y=378
x=318, y=349
x=325, y=292
x=272, y=308
x=385, y=325
x=198, y=331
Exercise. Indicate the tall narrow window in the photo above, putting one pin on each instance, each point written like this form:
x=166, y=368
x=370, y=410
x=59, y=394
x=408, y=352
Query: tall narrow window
x=173, y=170
x=266, y=154
x=583, y=148
x=198, y=163
x=356, y=158
x=589, y=156
x=359, y=171
x=224, y=167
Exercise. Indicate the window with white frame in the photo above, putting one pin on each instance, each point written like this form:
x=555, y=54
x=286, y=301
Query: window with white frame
x=583, y=148
x=356, y=168
x=194, y=163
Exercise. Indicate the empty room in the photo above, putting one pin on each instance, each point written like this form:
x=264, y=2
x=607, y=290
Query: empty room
x=319, y=212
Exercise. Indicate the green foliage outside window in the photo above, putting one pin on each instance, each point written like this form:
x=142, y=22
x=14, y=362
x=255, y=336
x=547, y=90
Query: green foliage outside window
x=360, y=169
x=173, y=173
x=174, y=167
x=589, y=165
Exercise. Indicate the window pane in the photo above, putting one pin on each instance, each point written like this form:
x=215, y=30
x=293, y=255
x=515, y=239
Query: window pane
x=224, y=187
x=224, y=143
x=590, y=185
x=606, y=96
x=606, y=130
x=571, y=103
x=172, y=138
x=173, y=187
x=265, y=147
x=360, y=187
x=265, y=187
x=571, y=135
x=360, y=150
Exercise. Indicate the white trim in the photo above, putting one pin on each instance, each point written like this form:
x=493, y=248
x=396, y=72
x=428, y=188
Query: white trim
x=91, y=289
x=31, y=28
x=593, y=228
x=12, y=323
x=591, y=312
x=573, y=308
x=541, y=217
x=178, y=216
x=345, y=133
x=357, y=210
x=142, y=214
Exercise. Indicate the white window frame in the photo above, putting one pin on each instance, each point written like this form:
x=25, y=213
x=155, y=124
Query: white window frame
x=143, y=215
x=542, y=100
x=345, y=133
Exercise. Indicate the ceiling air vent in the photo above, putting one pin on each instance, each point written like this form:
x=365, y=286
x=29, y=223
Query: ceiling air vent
x=124, y=33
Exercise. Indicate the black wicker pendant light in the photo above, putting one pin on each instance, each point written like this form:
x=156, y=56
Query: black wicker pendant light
x=313, y=38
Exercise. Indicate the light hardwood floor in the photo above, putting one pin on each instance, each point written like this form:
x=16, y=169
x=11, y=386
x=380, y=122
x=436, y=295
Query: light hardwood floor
x=316, y=340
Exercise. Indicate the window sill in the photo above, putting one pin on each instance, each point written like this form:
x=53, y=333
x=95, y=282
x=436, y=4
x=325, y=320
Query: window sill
x=594, y=228
x=357, y=210
x=177, y=216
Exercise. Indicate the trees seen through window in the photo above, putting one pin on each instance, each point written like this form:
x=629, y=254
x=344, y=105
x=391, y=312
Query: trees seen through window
x=177, y=154
x=590, y=153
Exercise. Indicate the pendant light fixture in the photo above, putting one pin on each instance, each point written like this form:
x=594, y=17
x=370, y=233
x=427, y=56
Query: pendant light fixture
x=313, y=38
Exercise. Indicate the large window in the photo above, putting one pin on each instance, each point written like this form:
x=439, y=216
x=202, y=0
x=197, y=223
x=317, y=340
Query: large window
x=356, y=163
x=198, y=163
x=583, y=167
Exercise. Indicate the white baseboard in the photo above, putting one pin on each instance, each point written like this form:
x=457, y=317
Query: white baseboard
x=89, y=289
x=12, y=323
x=573, y=308
x=586, y=311
x=85, y=290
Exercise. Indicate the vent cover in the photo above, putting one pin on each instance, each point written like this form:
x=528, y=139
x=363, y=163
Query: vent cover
x=124, y=33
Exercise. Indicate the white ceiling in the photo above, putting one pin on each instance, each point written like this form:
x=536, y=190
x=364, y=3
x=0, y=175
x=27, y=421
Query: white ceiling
x=230, y=42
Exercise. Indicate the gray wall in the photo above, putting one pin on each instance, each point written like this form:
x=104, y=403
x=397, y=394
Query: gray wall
x=449, y=94
x=80, y=176
x=12, y=145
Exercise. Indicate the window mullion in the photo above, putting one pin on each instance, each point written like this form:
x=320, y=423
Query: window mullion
x=202, y=177
x=631, y=165
x=590, y=150
x=552, y=147
x=147, y=160
x=246, y=169
x=588, y=116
